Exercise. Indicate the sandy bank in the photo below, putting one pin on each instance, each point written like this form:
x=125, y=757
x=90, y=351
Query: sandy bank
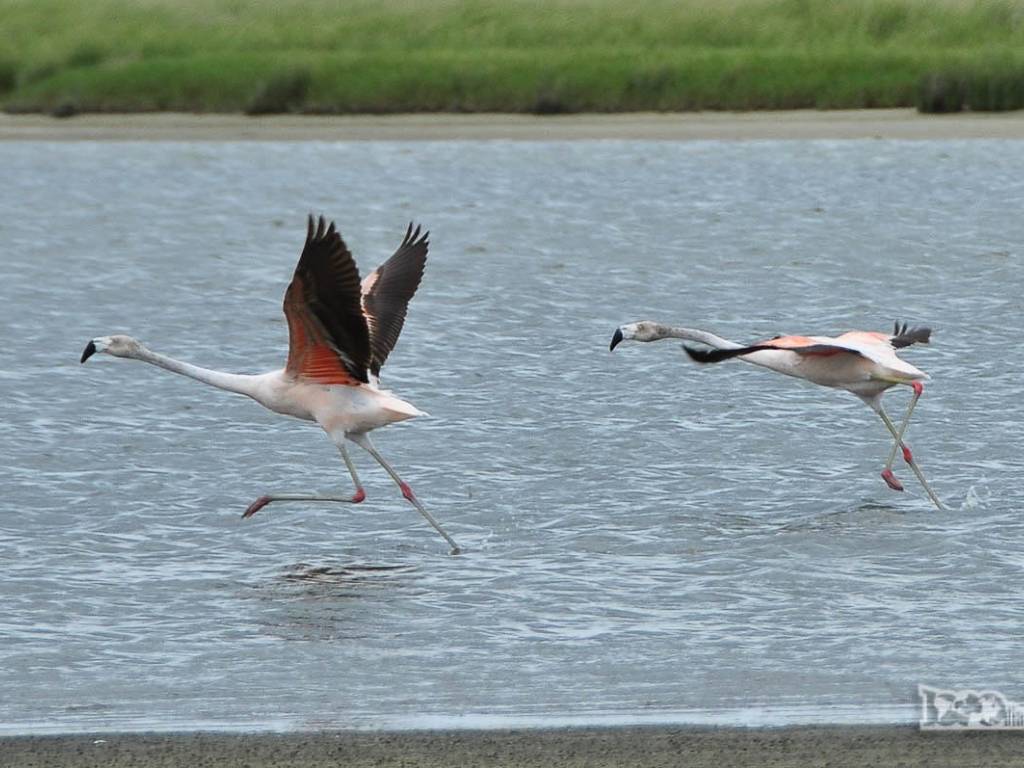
x=847, y=124
x=835, y=746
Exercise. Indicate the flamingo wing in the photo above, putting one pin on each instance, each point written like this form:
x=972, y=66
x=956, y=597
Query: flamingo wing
x=904, y=336
x=328, y=341
x=811, y=345
x=810, y=348
x=825, y=350
x=901, y=336
x=877, y=347
x=386, y=293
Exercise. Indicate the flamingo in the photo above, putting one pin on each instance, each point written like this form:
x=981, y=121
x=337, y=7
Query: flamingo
x=340, y=332
x=862, y=362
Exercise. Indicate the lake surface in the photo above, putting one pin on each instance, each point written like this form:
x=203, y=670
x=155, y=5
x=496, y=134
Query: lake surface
x=645, y=540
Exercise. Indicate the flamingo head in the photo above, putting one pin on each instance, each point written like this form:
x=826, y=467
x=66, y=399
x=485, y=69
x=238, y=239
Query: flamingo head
x=642, y=331
x=118, y=346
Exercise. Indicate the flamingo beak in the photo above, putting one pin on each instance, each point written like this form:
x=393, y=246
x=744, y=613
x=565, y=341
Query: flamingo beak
x=90, y=350
x=616, y=339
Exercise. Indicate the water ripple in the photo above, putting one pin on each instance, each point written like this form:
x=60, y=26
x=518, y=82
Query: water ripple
x=641, y=535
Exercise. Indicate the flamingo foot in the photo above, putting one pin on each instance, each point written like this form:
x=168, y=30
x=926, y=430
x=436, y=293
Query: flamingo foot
x=891, y=480
x=360, y=496
x=257, y=505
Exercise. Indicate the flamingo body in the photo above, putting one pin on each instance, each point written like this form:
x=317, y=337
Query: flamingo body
x=860, y=362
x=337, y=408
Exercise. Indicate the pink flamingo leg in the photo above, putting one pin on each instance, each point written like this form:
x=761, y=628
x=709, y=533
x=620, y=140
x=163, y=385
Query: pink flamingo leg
x=918, y=391
x=907, y=455
x=269, y=498
x=363, y=441
x=887, y=475
x=359, y=495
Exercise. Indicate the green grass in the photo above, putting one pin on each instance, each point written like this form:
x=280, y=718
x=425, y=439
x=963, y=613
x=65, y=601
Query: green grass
x=377, y=56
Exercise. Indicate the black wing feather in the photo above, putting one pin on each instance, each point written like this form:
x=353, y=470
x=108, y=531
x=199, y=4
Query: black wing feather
x=390, y=287
x=331, y=289
x=718, y=355
x=904, y=336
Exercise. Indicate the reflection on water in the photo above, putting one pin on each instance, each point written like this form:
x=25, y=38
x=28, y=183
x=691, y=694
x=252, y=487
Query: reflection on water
x=313, y=602
x=357, y=576
x=645, y=539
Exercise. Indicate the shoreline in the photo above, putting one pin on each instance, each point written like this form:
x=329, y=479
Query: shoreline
x=903, y=124
x=836, y=746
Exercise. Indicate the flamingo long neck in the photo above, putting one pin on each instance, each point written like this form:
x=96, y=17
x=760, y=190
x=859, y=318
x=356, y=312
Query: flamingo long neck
x=694, y=334
x=232, y=382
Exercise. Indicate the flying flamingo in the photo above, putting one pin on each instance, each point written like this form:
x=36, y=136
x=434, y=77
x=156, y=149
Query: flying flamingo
x=340, y=332
x=861, y=362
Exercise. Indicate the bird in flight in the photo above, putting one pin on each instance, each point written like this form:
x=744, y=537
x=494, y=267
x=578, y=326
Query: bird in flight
x=862, y=362
x=340, y=332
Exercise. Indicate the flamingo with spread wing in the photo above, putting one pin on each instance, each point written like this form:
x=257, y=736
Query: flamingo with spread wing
x=340, y=332
x=862, y=362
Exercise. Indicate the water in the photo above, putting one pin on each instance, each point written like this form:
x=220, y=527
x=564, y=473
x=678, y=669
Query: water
x=646, y=540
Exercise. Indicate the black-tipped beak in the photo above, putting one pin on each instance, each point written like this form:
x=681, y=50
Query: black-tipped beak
x=616, y=339
x=89, y=351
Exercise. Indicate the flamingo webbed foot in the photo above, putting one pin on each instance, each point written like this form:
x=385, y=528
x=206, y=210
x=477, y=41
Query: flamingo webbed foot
x=256, y=506
x=891, y=480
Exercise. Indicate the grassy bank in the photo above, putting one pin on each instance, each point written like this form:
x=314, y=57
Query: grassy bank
x=378, y=56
